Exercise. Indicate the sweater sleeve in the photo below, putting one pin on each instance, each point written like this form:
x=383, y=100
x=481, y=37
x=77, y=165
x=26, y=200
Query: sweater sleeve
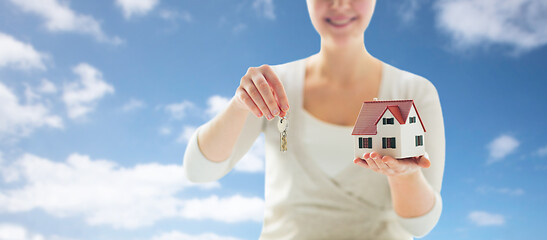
x=422, y=225
x=428, y=105
x=198, y=168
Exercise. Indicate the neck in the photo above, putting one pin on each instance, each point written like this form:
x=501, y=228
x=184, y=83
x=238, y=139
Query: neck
x=343, y=64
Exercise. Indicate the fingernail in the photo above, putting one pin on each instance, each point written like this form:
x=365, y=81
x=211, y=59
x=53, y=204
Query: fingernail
x=275, y=112
x=285, y=108
x=270, y=116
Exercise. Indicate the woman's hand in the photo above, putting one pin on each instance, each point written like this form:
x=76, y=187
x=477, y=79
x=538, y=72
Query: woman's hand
x=390, y=166
x=261, y=92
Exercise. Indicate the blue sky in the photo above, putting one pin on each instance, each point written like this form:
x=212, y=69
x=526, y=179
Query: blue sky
x=98, y=98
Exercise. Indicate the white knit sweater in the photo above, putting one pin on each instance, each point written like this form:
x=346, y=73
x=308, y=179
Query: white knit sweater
x=302, y=200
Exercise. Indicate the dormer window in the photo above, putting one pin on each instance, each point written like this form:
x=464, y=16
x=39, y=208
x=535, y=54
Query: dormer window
x=388, y=121
x=412, y=119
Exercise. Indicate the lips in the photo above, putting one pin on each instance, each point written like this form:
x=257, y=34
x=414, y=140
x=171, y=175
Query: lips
x=340, y=21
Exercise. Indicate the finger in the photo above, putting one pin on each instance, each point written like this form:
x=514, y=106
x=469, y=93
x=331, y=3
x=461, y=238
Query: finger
x=283, y=114
x=361, y=162
x=246, y=99
x=266, y=92
x=424, y=162
x=378, y=160
x=390, y=161
x=372, y=165
x=375, y=155
x=381, y=164
x=257, y=99
x=277, y=86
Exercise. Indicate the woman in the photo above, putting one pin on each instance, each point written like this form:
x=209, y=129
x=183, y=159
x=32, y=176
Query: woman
x=313, y=191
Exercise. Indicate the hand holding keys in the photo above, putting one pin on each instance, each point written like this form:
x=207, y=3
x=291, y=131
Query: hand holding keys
x=262, y=93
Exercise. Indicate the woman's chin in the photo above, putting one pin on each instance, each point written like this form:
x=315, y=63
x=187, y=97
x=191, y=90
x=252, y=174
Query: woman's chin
x=349, y=35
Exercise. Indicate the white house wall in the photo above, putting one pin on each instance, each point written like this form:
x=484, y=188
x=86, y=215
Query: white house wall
x=382, y=131
x=409, y=131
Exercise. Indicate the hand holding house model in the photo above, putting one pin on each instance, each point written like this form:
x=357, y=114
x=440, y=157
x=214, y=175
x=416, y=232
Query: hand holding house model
x=391, y=128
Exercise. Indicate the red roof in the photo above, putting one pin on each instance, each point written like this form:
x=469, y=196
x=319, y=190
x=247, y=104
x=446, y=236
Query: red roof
x=372, y=112
x=396, y=113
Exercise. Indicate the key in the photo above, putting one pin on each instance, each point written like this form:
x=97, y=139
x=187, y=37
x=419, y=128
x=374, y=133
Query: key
x=282, y=126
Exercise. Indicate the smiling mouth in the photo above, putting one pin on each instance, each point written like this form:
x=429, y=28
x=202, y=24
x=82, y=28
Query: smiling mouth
x=342, y=22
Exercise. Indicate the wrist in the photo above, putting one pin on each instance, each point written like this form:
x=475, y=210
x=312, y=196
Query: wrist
x=238, y=105
x=416, y=174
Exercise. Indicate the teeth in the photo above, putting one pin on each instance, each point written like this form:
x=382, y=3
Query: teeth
x=339, y=22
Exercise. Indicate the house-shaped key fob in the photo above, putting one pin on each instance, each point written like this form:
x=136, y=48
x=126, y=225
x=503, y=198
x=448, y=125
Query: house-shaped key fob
x=391, y=128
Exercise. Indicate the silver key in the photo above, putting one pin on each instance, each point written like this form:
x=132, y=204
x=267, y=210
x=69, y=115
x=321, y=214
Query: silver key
x=282, y=126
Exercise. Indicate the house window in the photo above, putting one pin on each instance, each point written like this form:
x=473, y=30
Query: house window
x=419, y=140
x=387, y=121
x=388, y=142
x=365, y=142
x=412, y=119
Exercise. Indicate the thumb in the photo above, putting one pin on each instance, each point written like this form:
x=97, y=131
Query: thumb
x=424, y=162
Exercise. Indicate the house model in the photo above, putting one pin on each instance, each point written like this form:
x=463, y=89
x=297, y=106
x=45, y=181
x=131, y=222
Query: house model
x=391, y=128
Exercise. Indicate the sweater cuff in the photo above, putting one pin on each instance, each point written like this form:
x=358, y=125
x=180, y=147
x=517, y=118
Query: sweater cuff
x=422, y=225
x=197, y=167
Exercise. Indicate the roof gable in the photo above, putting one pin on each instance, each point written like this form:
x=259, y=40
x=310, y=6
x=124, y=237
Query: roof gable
x=372, y=111
x=396, y=111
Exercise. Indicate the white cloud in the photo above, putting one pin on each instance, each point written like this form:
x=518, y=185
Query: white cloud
x=47, y=87
x=230, y=209
x=253, y=161
x=82, y=95
x=178, y=110
x=506, y=191
x=176, y=235
x=174, y=15
x=10, y=231
x=30, y=95
x=14, y=53
x=264, y=8
x=104, y=193
x=15, y=232
x=186, y=134
x=542, y=152
x=240, y=27
x=133, y=104
x=215, y=105
x=481, y=218
x=100, y=191
x=60, y=18
x=164, y=131
x=407, y=9
x=136, y=7
x=34, y=94
x=7, y=172
x=501, y=147
x=19, y=120
x=516, y=23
